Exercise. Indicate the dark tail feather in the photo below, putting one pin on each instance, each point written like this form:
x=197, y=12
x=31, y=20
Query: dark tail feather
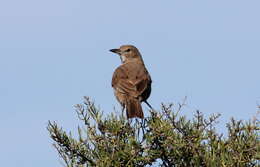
x=134, y=108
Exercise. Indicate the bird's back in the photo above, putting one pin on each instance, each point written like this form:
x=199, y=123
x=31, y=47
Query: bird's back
x=132, y=79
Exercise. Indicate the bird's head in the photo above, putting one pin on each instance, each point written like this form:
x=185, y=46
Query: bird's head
x=128, y=53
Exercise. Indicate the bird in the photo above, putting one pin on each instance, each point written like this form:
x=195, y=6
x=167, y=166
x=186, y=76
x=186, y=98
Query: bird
x=131, y=81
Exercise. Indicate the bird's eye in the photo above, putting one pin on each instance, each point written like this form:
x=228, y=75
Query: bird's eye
x=128, y=50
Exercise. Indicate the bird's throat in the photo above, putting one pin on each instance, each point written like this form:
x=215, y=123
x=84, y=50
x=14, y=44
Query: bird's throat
x=123, y=59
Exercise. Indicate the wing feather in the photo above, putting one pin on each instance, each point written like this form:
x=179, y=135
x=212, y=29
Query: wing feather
x=131, y=82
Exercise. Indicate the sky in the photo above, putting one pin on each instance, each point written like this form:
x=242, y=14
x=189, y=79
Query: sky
x=54, y=52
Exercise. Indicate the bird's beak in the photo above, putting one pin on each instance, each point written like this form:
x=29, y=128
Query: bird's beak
x=117, y=51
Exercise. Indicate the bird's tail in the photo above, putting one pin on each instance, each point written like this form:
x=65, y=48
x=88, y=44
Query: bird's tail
x=134, y=108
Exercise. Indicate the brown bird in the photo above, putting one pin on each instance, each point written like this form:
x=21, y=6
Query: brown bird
x=131, y=81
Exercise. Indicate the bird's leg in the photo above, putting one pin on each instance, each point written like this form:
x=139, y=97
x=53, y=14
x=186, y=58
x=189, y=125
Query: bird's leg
x=129, y=121
x=138, y=128
x=123, y=108
x=143, y=125
x=143, y=128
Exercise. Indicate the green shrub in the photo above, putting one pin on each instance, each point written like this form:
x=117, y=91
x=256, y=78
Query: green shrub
x=165, y=138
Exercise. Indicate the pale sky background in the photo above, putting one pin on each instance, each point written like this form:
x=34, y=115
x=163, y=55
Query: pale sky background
x=54, y=52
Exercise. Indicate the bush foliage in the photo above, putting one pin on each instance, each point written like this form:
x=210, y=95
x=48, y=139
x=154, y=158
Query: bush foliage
x=165, y=138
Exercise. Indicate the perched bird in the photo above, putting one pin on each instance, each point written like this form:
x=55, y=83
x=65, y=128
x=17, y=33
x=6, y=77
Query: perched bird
x=131, y=81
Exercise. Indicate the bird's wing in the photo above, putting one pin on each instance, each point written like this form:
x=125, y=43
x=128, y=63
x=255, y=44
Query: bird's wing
x=131, y=79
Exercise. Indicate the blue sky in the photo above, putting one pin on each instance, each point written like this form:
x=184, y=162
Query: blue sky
x=54, y=52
